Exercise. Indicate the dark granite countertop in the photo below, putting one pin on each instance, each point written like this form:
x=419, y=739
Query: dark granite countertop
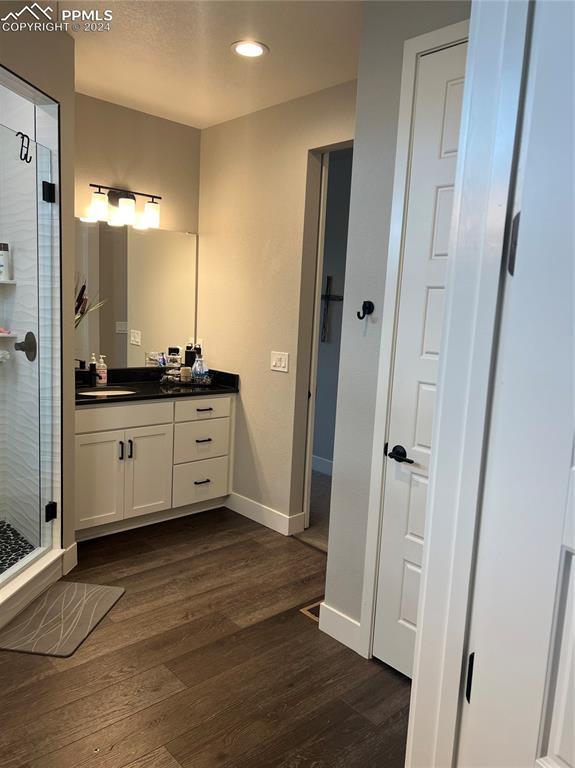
x=145, y=384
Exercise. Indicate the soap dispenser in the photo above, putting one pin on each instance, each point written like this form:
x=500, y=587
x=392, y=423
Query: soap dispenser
x=102, y=371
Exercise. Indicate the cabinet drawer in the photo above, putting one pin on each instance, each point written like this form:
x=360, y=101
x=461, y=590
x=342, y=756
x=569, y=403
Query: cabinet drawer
x=105, y=417
x=203, y=408
x=195, y=440
x=200, y=480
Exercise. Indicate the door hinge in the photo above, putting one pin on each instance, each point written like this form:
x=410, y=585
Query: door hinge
x=469, y=682
x=513, y=243
x=48, y=192
x=51, y=511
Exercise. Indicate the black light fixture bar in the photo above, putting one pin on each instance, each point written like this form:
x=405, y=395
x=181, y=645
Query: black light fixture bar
x=100, y=187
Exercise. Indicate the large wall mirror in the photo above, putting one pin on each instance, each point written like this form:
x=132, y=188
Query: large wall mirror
x=140, y=287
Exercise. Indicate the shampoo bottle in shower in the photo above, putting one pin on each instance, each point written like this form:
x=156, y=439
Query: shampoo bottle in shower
x=5, y=263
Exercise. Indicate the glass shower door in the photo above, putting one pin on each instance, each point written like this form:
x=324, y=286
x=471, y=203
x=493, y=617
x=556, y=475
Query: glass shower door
x=26, y=440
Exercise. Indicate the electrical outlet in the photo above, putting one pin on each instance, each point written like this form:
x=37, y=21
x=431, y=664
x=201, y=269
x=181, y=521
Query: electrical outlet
x=280, y=361
x=135, y=338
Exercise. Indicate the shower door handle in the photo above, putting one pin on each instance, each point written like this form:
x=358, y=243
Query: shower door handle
x=29, y=346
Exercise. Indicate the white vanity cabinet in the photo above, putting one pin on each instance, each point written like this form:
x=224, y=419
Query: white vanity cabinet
x=140, y=458
x=148, y=467
x=99, y=478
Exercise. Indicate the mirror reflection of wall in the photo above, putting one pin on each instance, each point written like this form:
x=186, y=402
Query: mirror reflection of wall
x=147, y=281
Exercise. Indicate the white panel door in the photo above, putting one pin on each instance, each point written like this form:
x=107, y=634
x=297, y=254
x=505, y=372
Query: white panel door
x=149, y=458
x=435, y=132
x=99, y=480
x=521, y=696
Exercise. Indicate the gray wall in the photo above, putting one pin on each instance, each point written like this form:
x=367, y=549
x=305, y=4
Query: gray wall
x=335, y=246
x=386, y=26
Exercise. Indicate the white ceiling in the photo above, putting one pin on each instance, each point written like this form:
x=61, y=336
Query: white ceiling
x=173, y=59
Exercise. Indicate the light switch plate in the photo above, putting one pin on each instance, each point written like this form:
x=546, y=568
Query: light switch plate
x=135, y=338
x=280, y=361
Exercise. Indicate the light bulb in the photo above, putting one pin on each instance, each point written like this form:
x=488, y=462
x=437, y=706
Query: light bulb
x=141, y=221
x=127, y=209
x=152, y=214
x=115, y=218
x=98, y=207
x=250, y=49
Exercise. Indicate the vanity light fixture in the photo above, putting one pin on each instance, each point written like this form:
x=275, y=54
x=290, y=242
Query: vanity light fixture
x=118, y=207
x=141, y=222
x=152, y=214
x=115, y=217
x=250, y=49
x=98, y=210
x=127, y=207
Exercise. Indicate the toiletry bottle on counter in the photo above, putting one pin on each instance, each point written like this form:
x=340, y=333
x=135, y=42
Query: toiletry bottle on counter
x=189, y=356
x=200, y=371
x=5, y=263
x=102, y=371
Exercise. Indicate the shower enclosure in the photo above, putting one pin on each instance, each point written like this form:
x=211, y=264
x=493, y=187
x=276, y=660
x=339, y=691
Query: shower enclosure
x=30, y=444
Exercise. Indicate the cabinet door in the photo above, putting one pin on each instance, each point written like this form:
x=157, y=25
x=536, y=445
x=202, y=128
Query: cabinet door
x=149, y=459
x=100, y=463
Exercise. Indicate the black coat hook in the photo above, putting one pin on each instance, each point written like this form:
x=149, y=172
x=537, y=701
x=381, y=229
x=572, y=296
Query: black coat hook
x=367, y=308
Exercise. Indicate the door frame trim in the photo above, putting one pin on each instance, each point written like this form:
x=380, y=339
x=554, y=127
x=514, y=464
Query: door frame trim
x=413, y=50
x=314, y=352
x=491, y=103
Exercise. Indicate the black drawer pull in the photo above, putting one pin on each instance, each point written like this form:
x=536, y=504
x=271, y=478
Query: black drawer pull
x=204, y=440
x=204, y=410
x=202, y=482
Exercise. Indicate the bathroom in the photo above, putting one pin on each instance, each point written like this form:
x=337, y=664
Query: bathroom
x=224, y=227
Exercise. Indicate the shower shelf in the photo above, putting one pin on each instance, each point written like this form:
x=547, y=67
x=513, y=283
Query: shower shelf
x=8, y=336
x=7, y=282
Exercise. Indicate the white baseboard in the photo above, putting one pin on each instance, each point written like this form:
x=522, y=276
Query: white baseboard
x=156, y=517
x=325, y=466
x=70, y=558
x=342, y=628
x=271, y=518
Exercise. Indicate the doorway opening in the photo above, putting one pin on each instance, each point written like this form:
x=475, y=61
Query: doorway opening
x=324, y=368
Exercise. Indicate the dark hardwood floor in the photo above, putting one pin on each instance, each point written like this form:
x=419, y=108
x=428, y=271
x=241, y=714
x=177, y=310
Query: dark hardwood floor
x=205, y=662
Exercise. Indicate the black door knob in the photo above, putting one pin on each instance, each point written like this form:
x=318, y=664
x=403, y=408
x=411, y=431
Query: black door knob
x=28, y=346
x=399, y=453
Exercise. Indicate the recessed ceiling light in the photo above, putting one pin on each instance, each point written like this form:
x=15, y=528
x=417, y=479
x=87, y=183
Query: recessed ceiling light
x=250, y=49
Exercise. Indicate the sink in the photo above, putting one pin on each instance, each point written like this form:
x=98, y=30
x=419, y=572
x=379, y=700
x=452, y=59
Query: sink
x=106, y=392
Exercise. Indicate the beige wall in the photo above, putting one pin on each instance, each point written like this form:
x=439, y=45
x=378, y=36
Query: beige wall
x=253, y=195
x=130, y=149
x=386, y=26
x=47, y=61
